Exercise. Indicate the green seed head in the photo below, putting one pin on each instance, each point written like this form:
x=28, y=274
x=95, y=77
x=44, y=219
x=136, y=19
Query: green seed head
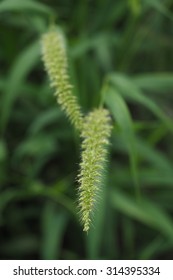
x=96, y=132
x=55, y=60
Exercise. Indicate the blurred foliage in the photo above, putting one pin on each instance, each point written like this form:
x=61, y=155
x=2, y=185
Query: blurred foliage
x=121, y=53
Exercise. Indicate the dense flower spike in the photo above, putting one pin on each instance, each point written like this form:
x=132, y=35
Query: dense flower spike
x=55, y=59
x=95, y=134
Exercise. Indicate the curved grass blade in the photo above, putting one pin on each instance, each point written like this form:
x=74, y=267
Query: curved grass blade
x=129, y=90
x=22, y=66
x=122, y=116
x=44, y=119
x=157, y=82
x=145, y=212
x=20, y=5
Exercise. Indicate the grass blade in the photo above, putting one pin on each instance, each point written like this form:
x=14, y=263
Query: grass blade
x=20, y=5
x=53, y=226
x=146, y=212
x=122, y=116
x=130, y=91
x=154, y=82
x=22, y=66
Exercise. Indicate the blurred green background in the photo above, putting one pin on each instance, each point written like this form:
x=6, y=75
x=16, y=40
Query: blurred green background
x=122, y=50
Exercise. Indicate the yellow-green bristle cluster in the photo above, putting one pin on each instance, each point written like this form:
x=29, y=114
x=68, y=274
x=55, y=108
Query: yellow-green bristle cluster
x=96, y=132
x=55, y=60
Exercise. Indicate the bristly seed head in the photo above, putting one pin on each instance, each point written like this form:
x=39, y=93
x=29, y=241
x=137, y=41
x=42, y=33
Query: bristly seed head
x=96, y=132
x=55, y=60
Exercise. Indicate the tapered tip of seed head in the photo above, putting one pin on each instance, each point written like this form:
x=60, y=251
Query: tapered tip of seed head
x=86, y=228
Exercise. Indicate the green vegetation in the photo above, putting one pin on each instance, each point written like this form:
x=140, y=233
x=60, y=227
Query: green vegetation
x=121, y=57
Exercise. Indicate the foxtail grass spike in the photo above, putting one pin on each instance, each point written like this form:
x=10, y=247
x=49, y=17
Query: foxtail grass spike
x=55, y=60
x=96, y=132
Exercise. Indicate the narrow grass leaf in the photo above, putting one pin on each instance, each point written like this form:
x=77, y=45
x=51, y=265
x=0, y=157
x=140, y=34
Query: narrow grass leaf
x=20, y=5
x=152, y=248
x=155, y=157
x=21, y=67
x=122, y=116
x=45, y=119
x=144, y=211
x=54, y=223
x=157, y=82
x=130, y=91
